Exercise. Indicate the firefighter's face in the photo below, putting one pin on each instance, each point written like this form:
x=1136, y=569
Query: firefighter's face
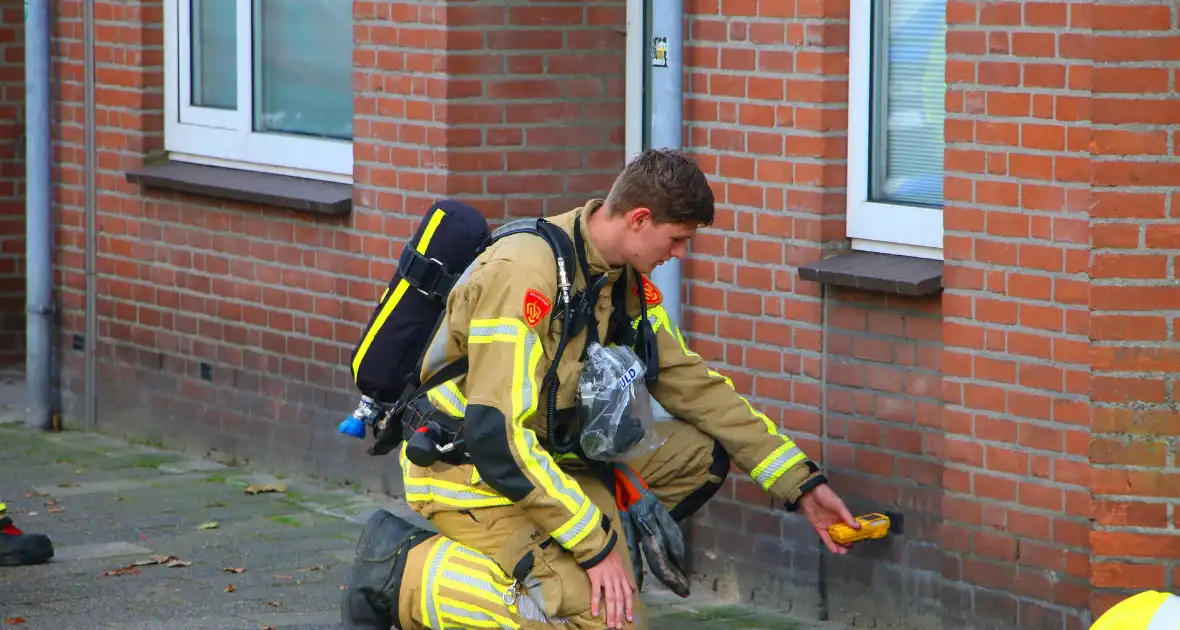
x=652, y=244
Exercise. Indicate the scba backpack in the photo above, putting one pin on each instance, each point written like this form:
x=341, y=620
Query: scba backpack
x=386, y=362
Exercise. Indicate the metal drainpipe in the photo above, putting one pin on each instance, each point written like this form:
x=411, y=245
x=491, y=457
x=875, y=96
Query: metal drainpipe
x=663, y=62
x=91, y=336
x=39, y=308
x=667, y=106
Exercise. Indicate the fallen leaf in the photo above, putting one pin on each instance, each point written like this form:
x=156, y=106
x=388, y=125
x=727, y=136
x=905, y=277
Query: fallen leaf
x=169, y=561
x=282, y=577
x=65, y=485
x=14, y=621
x=229, y=588
x=273, y=604
x=270, y=487
x=30, y=495
x=233, y=570
x=123, y=571
x=209, y=525
x=268, y=628
x=55, y=509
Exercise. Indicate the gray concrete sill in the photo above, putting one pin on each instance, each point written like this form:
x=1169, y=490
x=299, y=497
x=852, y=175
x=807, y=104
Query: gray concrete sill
x=284, y=191
x=870, y=271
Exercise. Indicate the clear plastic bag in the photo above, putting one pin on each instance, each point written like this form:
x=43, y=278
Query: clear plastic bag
x=614, y=408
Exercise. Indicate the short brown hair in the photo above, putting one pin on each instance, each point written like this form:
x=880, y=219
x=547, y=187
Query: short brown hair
x=668, y=183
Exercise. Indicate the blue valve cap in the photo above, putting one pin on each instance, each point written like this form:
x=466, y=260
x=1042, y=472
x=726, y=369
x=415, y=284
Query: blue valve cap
x=352, y=426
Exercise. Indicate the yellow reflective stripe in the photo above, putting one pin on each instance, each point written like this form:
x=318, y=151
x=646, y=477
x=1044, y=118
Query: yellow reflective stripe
x=448, y=398
x=484, y=561
x=430, y=490
x=430, y=586
x=780, y=461
x=457, y=577
x=468, y=616
x=577, y=528
x=398, y=292
x=527, y=353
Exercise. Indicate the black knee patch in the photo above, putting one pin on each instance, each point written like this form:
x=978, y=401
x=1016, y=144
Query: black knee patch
x=693, y=502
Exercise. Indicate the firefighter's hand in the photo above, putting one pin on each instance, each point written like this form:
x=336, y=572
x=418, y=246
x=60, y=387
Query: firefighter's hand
x=611, y=582
x=823, y=508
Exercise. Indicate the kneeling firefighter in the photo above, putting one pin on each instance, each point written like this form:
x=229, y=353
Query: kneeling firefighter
x=529, y=442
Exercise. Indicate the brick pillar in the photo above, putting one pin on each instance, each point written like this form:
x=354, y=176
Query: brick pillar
x=1135, y=227
x=12, y=182
x=1016, y=362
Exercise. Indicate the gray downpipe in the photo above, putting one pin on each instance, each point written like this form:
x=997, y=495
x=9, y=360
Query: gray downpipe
x=665, y=115
x=39, y=309
x=667, y=106
x=91, y=339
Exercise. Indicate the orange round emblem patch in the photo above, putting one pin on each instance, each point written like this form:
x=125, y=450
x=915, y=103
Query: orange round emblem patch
x=651, y=294
x=535, y=306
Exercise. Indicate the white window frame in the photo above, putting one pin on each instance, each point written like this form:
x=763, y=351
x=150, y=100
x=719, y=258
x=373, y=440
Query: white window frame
x=226, y=138
x=872, y=226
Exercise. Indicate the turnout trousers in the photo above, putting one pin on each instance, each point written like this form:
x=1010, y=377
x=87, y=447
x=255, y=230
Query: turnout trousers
x=462, y=577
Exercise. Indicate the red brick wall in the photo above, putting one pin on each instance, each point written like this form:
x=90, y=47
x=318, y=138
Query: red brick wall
x=12, y=185
x=999, y=417
x=1134, y=299
x=272, y=301
x=997, y=461
x=1015, y=366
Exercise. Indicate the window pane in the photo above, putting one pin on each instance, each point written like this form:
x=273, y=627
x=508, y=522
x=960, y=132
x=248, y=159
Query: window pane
x=214, y=54
x=303, y=67
x=909, y=93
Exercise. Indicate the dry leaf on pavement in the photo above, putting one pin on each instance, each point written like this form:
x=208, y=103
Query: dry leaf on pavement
x=209, y=525
x=270, y=487
x=234, y=569
x=14, y=621
x=229, y=588
x=273, y=604
x=168, y=561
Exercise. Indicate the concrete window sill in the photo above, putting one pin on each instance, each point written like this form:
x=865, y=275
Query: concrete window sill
x=870, y=271
x=284, y=191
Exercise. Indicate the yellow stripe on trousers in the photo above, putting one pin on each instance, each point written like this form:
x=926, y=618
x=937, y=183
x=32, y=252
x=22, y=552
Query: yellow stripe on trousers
x=463, y=588
x=398, y=292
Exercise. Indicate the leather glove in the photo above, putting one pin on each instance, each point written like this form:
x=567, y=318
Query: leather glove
x=650, y=531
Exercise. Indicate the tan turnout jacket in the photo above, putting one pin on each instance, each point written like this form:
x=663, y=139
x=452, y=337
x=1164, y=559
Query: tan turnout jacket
x=500, y=315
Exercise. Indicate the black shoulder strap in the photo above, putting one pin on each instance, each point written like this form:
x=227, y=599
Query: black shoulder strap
x=643, y=340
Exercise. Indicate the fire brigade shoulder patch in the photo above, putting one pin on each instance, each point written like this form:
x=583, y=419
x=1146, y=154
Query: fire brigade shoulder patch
x=651, y=294
x=535, y=306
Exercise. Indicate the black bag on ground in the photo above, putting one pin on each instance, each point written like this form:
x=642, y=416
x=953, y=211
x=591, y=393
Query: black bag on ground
x=449, y=237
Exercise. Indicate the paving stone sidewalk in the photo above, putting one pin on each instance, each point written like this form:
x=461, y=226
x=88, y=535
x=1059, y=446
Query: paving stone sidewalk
x=121, y=515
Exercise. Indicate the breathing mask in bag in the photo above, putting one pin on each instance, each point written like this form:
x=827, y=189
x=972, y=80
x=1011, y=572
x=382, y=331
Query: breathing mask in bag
x=614, y=409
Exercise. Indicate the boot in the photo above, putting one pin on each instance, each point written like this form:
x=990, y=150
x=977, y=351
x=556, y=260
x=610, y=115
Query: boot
x=370, y=596
x=18, y=548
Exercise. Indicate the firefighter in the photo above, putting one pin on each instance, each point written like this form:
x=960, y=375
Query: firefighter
x=1149, y=610
x=529, y=538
